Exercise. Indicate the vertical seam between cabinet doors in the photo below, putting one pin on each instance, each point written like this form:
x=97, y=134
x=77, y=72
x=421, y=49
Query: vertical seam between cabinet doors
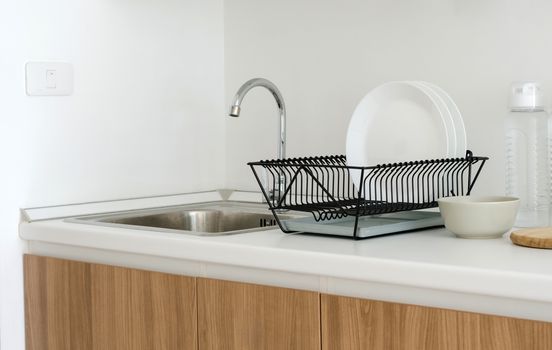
x=320, y=320
x=196, y=301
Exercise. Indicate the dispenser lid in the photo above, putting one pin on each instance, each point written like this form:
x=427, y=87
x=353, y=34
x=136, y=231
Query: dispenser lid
x=526, y=95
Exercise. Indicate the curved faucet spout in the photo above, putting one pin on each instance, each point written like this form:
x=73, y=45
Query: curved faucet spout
x=244, y=89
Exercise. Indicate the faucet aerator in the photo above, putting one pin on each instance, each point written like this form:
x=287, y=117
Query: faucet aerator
x=234, y=111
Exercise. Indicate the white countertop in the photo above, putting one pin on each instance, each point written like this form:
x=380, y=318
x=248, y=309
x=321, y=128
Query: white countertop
x=429, y=267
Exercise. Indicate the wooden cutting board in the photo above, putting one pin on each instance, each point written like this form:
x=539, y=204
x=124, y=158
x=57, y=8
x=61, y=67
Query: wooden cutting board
x=540, y=237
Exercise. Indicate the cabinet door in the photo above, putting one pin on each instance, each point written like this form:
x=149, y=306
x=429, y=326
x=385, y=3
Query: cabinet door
x=351, y=323
x=72, y=305
x=243, y=316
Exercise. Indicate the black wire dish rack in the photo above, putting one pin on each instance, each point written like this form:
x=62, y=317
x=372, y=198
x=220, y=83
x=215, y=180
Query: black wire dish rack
x=333, y=191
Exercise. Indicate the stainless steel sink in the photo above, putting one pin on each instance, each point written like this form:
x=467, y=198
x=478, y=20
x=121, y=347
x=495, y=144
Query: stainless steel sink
x=207, y=219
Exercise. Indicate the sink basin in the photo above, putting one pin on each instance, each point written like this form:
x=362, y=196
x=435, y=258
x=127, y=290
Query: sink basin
x=208, y=219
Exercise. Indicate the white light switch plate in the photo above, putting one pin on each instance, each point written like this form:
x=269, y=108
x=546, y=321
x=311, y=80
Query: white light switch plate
x=49, y=78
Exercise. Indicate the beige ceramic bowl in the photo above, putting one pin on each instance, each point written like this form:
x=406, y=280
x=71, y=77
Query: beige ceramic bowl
x=478, y=217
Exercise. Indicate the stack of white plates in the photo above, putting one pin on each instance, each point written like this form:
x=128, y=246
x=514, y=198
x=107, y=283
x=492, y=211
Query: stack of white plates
x=405, y=121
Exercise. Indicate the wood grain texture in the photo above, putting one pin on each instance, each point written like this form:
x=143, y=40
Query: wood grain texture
x=539, y=237
x=57, y=304
x=73, y=305
x=251, y=317
x=351, y=323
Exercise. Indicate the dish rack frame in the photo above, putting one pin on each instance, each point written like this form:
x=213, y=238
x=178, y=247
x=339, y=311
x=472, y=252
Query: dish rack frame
x=328, y=188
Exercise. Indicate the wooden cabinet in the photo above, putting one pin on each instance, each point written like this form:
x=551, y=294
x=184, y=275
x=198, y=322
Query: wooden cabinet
x=72, y=305
x=244, y=316
x=350, y=323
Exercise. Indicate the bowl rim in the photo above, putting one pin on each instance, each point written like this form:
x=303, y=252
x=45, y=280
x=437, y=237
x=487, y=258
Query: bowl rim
x=478, y=200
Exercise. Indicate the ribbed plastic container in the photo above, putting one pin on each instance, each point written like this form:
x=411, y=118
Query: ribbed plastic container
x=527, y=155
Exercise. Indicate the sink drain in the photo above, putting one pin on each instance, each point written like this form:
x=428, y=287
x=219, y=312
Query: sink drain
x=267, y=222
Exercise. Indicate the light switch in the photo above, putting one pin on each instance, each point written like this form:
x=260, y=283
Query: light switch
x=49, y=78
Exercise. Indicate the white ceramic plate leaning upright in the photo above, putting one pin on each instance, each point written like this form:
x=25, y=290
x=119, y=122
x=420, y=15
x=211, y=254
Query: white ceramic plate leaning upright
x=394, y=122
x=446, y=115
x=459, y=128
x=404, y=121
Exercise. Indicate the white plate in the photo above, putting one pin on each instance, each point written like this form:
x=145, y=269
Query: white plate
x=395, y=122
x=445, y=113
x=459, y=128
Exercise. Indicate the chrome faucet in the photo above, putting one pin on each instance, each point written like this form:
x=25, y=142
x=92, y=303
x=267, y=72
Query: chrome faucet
x=244, y=89
x=235, y=112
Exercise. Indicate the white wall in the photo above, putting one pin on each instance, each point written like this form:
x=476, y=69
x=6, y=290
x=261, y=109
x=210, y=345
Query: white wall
x=326, y=55
x=145, y=117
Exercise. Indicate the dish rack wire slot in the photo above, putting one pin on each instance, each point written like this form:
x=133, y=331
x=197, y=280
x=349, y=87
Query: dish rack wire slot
x=329, y=189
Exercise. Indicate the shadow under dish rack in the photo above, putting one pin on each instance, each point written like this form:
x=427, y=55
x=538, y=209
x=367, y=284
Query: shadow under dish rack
x=358, y=201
